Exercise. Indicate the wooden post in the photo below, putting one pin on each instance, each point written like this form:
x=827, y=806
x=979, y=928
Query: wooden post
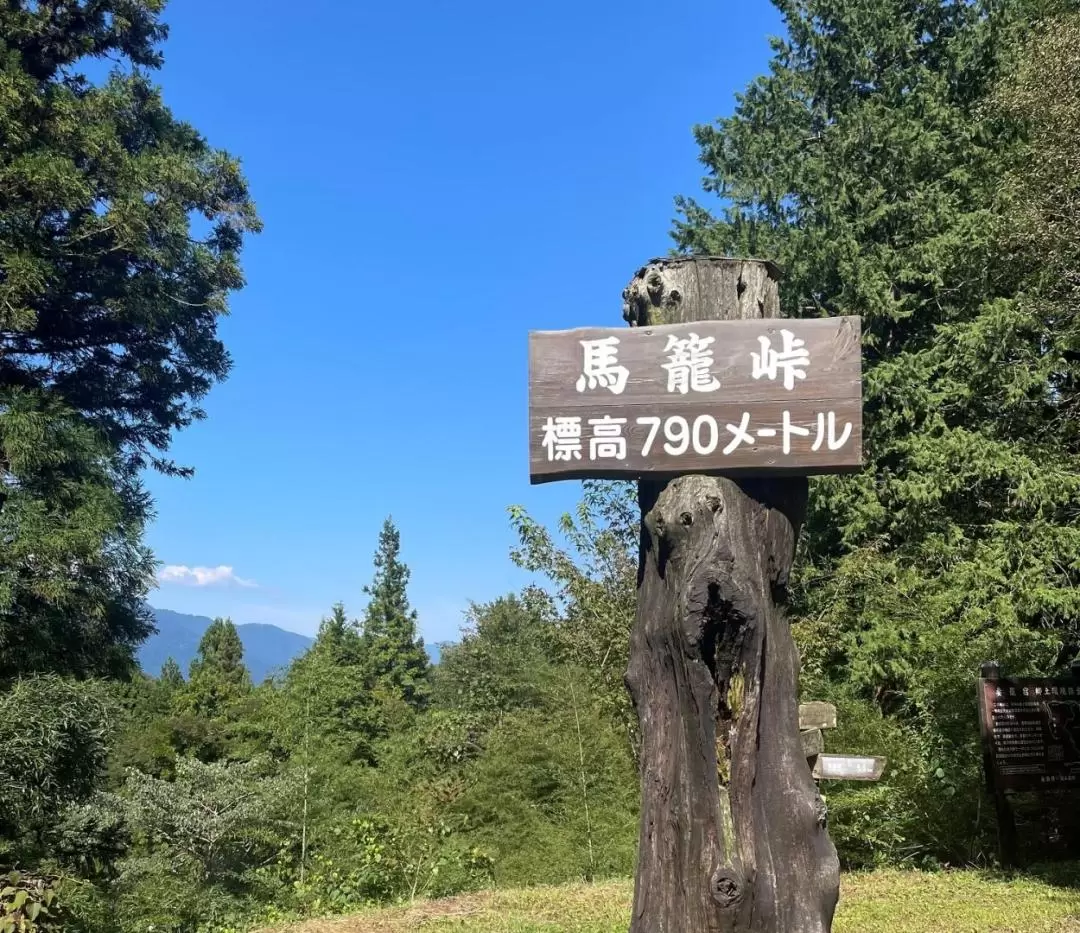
x=1006, y=820
x=732, y=833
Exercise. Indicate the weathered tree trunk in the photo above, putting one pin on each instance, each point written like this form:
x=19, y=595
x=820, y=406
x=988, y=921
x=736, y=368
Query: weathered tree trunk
x=732, y=831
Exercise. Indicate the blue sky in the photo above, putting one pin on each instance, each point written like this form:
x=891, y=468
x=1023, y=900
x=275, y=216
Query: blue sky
x=436, y=180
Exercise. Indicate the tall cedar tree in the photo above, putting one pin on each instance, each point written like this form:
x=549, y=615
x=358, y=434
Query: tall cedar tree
x=109, y=301
x=217, y=675
x=867, y=162
x=395, y=653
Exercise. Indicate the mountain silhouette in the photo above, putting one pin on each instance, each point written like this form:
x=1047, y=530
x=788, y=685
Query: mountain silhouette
x=267, y=648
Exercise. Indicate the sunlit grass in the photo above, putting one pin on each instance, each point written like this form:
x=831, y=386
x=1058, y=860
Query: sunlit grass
x=877, y=902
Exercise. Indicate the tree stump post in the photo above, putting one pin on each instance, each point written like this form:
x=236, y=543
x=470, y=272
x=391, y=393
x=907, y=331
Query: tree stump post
x=732, y=834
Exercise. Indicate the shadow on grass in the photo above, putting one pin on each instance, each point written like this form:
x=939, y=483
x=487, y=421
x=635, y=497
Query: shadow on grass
x=1059, y=874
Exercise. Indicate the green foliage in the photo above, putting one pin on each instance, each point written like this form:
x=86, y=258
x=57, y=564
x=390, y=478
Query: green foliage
x=213, y=819
x=325, y=701
x=171, y=677
x=108, y=311
x=217, y=678
x=554, y=796
x=27, y=903
x=120, y=234
x=201, y=839
x=73, y=571
x=89, y=837
x=871, y=162
x=96, y=240
x=53, y=743
x=394, y=651
x=594, y=578
x=386, y=862
x=501, y=664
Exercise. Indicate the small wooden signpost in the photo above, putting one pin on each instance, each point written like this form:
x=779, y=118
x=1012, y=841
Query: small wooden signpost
x=720, y=409
x=848, y=768
x=813, y=718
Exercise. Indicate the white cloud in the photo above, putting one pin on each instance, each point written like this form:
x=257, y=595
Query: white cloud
x=182, y=575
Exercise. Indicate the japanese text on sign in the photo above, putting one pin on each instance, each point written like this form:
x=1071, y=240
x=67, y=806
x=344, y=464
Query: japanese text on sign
x=1031, y=728
x=669, y=398
x=563, y=437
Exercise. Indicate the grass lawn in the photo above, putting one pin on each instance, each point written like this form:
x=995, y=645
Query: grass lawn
x=877, y=902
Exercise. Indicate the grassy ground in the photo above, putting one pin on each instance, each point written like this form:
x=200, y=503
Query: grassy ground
x=879, y=902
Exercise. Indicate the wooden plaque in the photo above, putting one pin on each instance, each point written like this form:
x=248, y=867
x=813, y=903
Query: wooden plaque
x=817, y=715
x=762, y=396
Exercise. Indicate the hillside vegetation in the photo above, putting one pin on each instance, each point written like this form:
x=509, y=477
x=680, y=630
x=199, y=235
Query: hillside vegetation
x=915, y=162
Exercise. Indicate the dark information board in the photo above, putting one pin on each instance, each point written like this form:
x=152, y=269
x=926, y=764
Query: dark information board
x=1031, y=732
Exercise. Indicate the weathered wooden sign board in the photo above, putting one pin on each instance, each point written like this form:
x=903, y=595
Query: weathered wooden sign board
x=817, y=715
x=1030, y=730
x=731, y=397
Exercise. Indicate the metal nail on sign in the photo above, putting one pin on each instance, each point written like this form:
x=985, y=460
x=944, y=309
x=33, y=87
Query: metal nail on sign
x=726, y=397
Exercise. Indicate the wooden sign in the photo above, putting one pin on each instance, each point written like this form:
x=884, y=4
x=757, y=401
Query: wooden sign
x=1031, y=732
x=817, y=715
x=848, y=768
x=716, y=397
x=813, y=742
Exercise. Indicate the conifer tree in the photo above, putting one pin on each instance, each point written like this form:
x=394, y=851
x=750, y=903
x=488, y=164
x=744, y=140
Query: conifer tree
x=172, y=678
x=339, y=637
x=872, y=165
x=326, y=697
x=395, y=654
x=217, y=675
x=109, y=303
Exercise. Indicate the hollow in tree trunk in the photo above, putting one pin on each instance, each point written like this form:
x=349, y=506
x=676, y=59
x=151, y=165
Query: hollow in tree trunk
x=732, y=834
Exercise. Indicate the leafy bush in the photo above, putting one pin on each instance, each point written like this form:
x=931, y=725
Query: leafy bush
x=375, y=861
x=27, y=903
x=53, y=744
x=201, y=839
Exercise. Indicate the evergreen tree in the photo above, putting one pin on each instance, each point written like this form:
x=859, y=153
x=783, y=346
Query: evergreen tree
x=109, y=304
x=395, y=654
x=339, y=637
x=869, y=165
x=172, y=678
x=217, y=676
x=73, y=569
x=326, y=700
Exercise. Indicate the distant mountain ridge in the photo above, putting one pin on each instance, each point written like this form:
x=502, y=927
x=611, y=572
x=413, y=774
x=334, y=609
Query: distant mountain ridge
x=267, y=648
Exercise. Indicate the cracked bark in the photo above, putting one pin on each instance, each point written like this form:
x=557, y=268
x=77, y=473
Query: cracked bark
x=732, y=835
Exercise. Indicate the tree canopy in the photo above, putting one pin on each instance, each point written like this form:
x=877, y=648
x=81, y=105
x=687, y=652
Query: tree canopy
x=120, y=235
x=899, y=161
x=394, y=650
